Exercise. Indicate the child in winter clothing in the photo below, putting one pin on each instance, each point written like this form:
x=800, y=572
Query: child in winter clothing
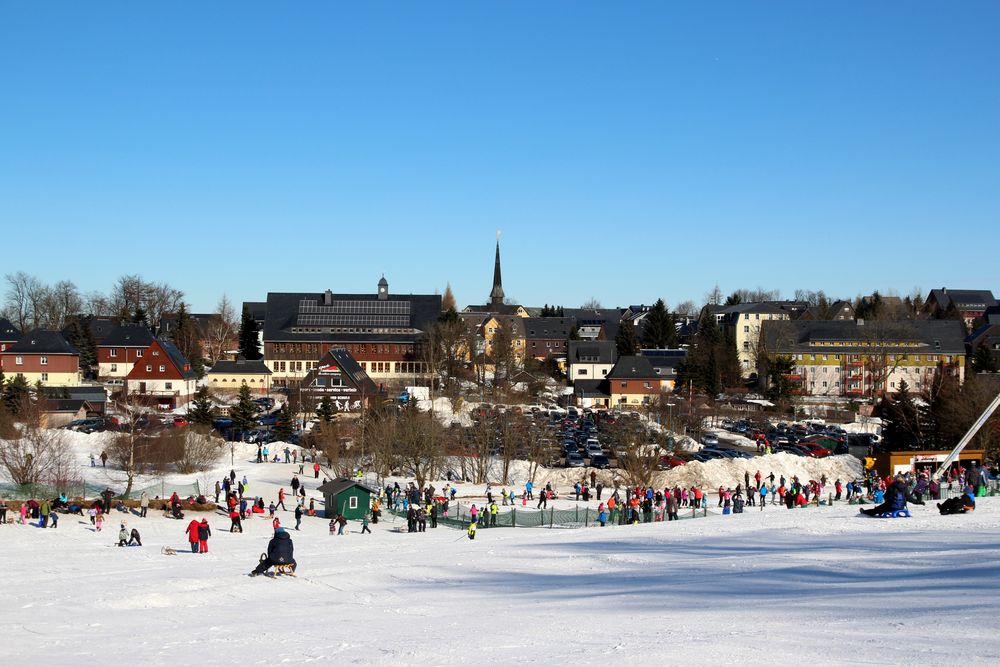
x=122, y=536
x=99, y=521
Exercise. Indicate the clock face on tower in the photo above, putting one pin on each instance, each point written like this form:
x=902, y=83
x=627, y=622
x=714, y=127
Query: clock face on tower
x=381, y=290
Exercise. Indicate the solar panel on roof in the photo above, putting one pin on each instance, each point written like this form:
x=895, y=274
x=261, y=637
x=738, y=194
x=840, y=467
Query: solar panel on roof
x=354, y=313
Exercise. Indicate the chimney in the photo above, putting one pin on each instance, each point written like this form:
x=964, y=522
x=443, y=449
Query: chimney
x=328, y=298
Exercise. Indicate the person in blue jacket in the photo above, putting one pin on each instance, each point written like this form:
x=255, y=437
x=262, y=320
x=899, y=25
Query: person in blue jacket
x=959, y=505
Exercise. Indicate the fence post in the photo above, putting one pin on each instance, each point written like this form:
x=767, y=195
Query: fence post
x=552, y=512
x=586, y=518
x=577, y=514
x=513, y=517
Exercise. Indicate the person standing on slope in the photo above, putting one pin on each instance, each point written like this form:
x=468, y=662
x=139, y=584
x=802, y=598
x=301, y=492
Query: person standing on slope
x=192, y=534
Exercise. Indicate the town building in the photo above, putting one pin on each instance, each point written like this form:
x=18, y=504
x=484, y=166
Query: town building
x=122, y=348
x=969, y=303
x=163, y=377
x=42, y=356
x=633, y=381
x=229, y=376
x=385, y=333
x=339, y=377
x=859, y=359
x=590, y=359
x=9, y=334
x=742, y=322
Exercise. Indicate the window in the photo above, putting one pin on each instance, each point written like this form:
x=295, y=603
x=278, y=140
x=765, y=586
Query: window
x=604, y=371
x=746, y=329
x=824, y=383
x=168, y=386
x=114, y=352
x=114, y=368
x=647, y=385
x=581, y=371
x=624, y=385
x=44, y=361
x=163, y=369
x=352, y=502
x=746, y=346
x=19, y=360
x=156, y=353
x=149, y=368
x=45, y=377
x=138, y=353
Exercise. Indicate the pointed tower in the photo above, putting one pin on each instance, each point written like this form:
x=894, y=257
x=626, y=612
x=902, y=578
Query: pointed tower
x=496, y=294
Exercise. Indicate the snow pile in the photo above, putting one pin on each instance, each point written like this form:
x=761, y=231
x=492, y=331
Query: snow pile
x=730, y=472
x=445, y=411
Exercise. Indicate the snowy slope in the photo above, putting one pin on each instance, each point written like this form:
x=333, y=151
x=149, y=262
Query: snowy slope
x=817, y=586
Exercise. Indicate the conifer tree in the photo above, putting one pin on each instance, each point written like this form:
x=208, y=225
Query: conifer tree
x=244, y=413
x=249, y=343
x=324, y=411
x=284, y=427
x=625, y=340
x=200, y=411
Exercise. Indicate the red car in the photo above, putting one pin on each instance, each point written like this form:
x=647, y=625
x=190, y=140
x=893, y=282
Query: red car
x=180, y=421
x=815, y=450
x=668, y=462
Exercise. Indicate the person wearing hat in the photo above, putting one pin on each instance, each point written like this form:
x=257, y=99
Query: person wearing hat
x=279, y=552
x=123, y=536
x=896, y=497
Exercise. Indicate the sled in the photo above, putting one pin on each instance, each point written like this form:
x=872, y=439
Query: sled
x=897, y=514
x=283, y=569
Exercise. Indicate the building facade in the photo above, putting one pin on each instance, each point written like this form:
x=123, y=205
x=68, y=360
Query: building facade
x=42, y=356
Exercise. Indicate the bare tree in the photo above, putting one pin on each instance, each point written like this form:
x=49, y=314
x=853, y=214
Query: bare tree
x=591, y=304
x=23, y=299
x=420, y=444
x=200, y=449
x=222, y=328
x=34, y=455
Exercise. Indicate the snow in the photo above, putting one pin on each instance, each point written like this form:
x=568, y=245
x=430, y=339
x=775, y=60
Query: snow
x=811, y=585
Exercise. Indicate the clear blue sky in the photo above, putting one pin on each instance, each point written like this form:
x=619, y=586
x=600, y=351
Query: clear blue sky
x=628, y=151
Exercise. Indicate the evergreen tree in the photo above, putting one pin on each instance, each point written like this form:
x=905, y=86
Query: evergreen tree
x=448, y=299
x=660, y=330
x=779, y=387
x=200, y=411
x=16, y=393
x=325, y=411
x=574, y=333
x=139, y=316
x=625, y=340
x=982, y=359
x=284, y=427
x=188, y=340
x=249, y=343
x=244, y=413
x=449, y=316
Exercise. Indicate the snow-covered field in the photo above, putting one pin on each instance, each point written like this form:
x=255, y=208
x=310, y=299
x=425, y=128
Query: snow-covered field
x=807, y=586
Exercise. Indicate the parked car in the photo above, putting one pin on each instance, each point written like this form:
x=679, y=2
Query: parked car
x=667, y=462
x=574, y=461
x=180, y=420
x=709, y=440
x=600, y=461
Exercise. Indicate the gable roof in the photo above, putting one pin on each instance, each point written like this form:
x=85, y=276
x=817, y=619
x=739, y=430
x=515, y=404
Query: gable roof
x=665, y=362
x=923, y=336
x=128, y=335
x=964, y=299
x=591, y=389
x=337, y=486
x=240, y=367
x=94, y=394
x=632, y=367
x=585, y=351
x=326, y=317
x=42, y=341
x=72, y=405
x=548, y=327
x=8, y=332
x=177, y=359
x=345, y=364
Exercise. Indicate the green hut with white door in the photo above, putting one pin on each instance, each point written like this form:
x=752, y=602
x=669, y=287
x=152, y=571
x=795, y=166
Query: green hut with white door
x=346, y=496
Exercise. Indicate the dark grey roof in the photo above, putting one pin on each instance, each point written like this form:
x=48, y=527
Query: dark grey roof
x=42, y=341
x=91, y=393
x=547, y=327
x=964, y=299
x=604, y=351
x=65, y=404
x=500, y=308
x=8, y=332
x=258, y=309
x=591, y=389
x=804, y=336
x=128, y=335
x=665, y=362
x=632, y=367
x=305, y=316
x=336, y=486
x=992, y=315
x=241, y=366
x=177, y=358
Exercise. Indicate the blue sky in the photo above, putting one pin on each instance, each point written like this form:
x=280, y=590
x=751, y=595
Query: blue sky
x=628, y=151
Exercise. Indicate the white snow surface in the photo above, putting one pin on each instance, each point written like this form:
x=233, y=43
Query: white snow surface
x=816, y=586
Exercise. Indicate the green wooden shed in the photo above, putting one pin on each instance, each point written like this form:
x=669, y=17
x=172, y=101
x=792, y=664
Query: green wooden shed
x=346, y=496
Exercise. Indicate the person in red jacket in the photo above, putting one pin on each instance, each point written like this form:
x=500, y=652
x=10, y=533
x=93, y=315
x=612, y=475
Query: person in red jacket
x=316, y=469
x=281, y=498
x=192, y=533
x=204, y=532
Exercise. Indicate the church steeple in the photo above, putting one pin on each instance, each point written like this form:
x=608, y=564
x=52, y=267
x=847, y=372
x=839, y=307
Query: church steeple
x=496, y=294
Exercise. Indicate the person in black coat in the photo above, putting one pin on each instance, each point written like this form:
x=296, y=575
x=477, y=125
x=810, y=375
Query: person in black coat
x=279, y=552
x=896, y=497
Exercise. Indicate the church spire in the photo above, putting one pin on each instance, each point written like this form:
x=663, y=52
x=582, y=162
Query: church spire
x=496, y=294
